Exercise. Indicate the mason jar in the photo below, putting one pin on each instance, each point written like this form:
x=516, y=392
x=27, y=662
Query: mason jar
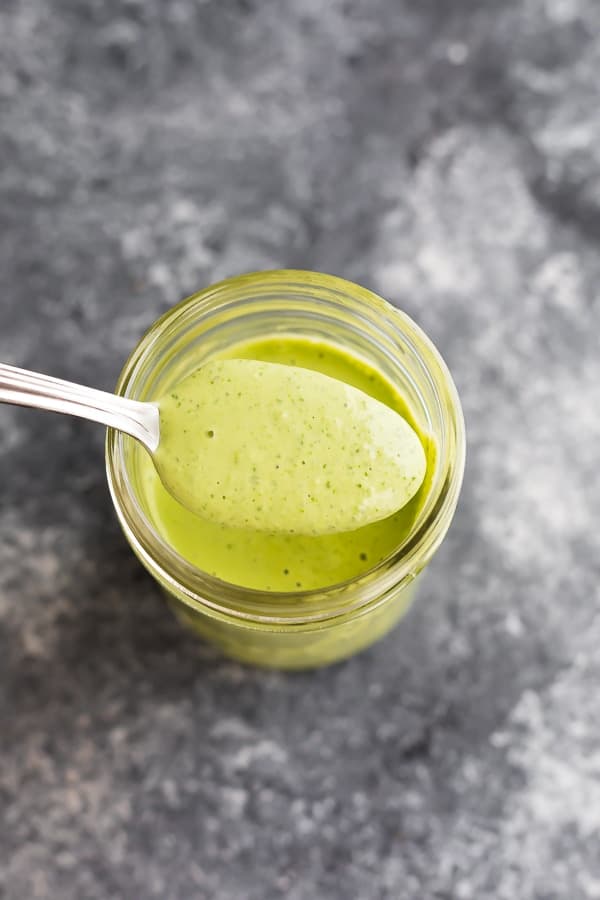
x=298, y=628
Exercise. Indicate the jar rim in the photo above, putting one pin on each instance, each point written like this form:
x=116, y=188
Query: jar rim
x=202, y=591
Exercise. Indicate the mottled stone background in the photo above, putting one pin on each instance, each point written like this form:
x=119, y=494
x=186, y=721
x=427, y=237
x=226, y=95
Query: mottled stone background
x=446, y=154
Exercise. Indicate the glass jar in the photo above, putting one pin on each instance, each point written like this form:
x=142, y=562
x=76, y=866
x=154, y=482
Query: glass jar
x=300, y=629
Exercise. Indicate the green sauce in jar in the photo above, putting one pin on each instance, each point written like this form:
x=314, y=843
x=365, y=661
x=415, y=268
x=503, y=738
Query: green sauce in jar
x=289, y=562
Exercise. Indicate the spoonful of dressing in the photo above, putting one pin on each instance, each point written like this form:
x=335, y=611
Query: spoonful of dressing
x=257, y=445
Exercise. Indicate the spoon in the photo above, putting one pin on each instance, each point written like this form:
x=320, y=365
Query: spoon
x=257, y=445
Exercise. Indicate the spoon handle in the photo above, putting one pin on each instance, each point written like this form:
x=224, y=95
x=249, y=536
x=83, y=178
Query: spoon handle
x=25, y=388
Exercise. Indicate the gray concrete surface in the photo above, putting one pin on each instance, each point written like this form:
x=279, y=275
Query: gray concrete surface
x=446, y=154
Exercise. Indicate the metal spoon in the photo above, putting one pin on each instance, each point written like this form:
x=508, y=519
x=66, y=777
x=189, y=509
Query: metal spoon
x=257, y=445
x=24, y=388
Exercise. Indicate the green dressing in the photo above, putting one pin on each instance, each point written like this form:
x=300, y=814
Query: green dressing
x=287, y=561
x=278, y=448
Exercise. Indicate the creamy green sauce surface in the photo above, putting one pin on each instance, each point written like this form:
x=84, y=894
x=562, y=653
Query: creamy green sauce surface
x=287, y=560
x=278, y=448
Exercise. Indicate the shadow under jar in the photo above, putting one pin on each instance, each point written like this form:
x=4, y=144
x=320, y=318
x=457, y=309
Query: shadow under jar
x=297, y=627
